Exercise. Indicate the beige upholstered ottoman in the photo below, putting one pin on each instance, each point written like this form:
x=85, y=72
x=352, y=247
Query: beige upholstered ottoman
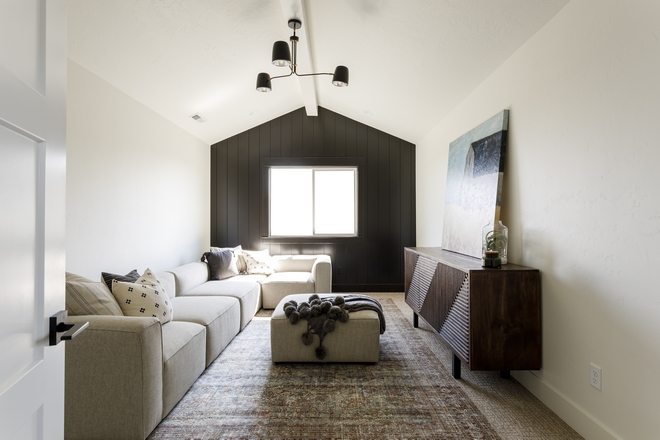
x=357, y=340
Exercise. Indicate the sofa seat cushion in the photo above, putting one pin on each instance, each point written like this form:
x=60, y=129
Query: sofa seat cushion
x=249, y=278
x=220, y=315
x=281, y=284
x=246, y=292
x=184, y=359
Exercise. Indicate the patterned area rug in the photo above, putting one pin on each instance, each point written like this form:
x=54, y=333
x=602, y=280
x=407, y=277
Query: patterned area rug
x=408, y=394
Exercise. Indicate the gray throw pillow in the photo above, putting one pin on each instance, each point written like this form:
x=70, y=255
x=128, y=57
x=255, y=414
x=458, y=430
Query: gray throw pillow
x=221, y=264
x=130, y=277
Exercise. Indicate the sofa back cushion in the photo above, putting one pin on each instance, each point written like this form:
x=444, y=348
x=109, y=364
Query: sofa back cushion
x=190, y=276
x=293, y=263
x=168, y=282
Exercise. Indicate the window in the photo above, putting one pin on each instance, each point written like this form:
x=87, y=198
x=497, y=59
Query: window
x=313, y=201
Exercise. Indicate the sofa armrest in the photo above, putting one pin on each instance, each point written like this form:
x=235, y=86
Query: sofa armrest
x=114, y=377
x=322, y=274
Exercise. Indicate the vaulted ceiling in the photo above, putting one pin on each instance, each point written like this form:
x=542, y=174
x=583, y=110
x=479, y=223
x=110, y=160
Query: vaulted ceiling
x=411, y=61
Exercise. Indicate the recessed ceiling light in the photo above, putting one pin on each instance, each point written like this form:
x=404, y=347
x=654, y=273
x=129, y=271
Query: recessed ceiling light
x=368, y=113
x=253, y=112
x=197, y=118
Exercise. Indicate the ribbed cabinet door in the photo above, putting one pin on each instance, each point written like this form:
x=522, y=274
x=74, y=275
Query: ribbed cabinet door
x=455, y=329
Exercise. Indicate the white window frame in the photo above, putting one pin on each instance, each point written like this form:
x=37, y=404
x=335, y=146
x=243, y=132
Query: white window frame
x=314, y=169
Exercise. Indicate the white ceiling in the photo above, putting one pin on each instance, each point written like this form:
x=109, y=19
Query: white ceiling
x=411, y=61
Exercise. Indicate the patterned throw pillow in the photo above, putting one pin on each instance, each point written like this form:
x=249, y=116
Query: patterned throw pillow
x=258, y=262
x=89, y=298
x=130, y=277
x=237, y=255
x=145, y=297
x=221, y=264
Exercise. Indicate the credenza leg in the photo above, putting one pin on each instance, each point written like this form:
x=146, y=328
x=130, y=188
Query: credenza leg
x=415, y=320
x=505, y=374
x=455, y=366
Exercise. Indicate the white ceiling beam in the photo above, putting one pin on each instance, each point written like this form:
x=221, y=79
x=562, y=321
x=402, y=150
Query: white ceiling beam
x=294, y=9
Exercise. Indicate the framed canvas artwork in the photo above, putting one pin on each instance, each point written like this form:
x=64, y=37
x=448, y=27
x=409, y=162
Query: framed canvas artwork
x=474, y=184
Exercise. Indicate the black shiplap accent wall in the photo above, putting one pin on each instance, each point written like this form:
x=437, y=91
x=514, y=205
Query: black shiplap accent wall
x=368, y=263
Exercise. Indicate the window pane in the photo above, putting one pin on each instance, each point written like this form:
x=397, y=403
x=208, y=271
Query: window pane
x=334, y=203
x=291, y=201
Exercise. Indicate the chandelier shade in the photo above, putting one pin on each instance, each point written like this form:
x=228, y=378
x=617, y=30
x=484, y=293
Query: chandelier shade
x=263, y=82
x=282, y=57
x=281, y=54
x=340, y=77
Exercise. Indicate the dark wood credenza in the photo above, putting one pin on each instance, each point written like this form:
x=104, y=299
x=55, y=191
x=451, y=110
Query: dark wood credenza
x=490, y=318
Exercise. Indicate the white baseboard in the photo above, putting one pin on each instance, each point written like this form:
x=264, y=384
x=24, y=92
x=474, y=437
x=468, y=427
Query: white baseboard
x=571, y=413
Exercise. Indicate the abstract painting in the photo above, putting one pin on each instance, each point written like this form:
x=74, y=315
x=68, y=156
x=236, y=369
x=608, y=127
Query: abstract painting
x=474, y=184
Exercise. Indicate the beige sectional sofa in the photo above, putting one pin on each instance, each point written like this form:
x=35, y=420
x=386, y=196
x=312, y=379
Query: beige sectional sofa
x=125, y=374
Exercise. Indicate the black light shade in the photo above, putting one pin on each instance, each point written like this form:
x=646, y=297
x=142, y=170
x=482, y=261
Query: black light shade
x=281, y=54
x=263, y=82
x=340, y=77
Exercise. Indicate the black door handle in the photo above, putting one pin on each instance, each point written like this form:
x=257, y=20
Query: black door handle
x=63, y=331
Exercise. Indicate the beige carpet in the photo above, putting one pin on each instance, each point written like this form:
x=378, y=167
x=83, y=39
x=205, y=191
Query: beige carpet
x=408, y=394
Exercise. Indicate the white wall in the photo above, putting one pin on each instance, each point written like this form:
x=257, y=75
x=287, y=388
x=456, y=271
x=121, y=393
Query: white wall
x=138, y=187
x=581, y=202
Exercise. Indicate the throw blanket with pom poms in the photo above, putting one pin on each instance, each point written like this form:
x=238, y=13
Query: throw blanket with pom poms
x=322, y=315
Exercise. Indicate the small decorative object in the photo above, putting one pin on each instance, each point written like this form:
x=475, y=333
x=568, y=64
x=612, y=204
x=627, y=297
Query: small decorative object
x=495, y=237
x=491, y=259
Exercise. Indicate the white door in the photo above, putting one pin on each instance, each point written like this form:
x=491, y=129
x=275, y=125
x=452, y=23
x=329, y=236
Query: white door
x=32, y=215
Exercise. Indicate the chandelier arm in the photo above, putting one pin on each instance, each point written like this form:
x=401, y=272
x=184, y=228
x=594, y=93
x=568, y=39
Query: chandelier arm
x=281, y=76
x=313, y=74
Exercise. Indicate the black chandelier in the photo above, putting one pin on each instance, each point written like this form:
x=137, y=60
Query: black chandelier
x=282, y=58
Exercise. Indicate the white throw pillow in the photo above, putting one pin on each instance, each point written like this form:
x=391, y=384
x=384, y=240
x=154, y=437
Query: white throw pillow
x=89, y=298
x=258, y=262
x=145, y=297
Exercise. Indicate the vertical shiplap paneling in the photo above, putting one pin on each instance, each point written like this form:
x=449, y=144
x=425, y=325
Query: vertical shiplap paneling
x=371, y=262
x=329, y=134
x=351, y=137
x=243, y=187
x=372, y=234
x=297, y=133
x=219, y=197
x=385, y=245
x=286, y=135
x=362, y=250
x=232, y=193
x=317, y=122
x=254, y=190
x=308, y=136
x=340, y=136
x=408, y=207
x=276, y=137
x=214, y=196
x=396, y=263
